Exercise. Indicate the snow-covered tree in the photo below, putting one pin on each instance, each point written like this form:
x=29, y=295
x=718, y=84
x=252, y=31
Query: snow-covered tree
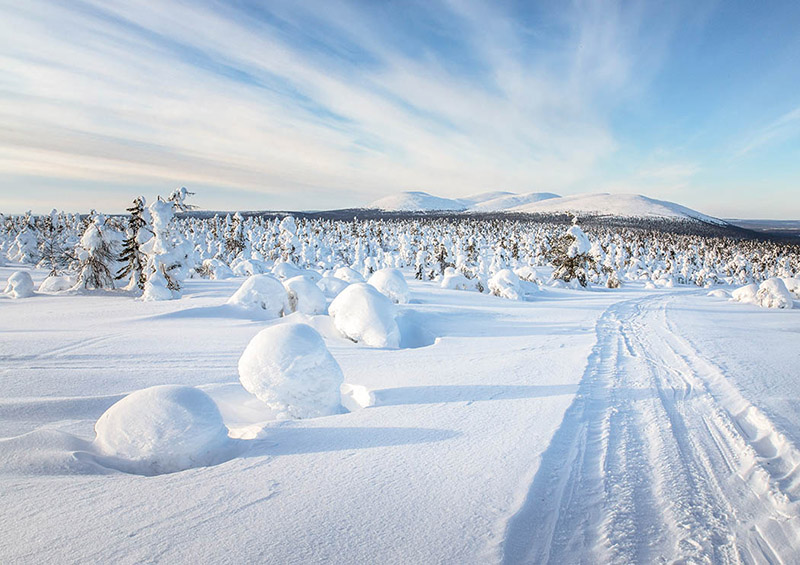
x=96, y=255
x=133, y=256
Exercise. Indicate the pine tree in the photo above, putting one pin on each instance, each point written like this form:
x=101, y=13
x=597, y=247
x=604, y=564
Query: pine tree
x=95, y=253
x=132, y=254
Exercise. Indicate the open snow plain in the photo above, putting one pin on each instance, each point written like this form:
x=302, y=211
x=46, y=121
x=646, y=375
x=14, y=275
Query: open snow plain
x=625, y=425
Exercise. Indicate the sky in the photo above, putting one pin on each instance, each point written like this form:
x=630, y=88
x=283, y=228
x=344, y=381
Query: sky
x=307, y=105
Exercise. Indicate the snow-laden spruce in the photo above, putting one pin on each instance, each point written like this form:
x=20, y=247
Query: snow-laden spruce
x=20, y=285
x=506, y=284
x=304, y=296
x=363, y=314
x=162, y=429
x=392, y=284
x=289, y=367
x=262, y=294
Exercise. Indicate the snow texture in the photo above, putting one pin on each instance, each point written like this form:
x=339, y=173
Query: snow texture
x=289, y=368
x=363, y=314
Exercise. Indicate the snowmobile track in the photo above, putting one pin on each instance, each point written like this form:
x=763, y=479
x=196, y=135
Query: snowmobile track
x=658, y=459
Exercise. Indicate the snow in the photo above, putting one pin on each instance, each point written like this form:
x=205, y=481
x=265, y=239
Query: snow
x=599, y=204
x=289, y=368
x=331, y=286
x=416, y=201
x=20, y=285
x=363, y=314
x=305, y=296
x=284, y=270
x=772, y=293
x=590, y=426
x=392, y=284
x=348, y=275
x=457, y=281
x=622, y=205
x=161, y=429
x=54, y=283
x=263, y=294
x=505, y=284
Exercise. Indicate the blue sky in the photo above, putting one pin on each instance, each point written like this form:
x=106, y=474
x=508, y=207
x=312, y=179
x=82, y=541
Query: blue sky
x=313, y=105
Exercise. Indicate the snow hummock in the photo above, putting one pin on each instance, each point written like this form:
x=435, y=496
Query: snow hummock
x=331, y=286
x=392, y=284
x=262, y=293
x=20, y=285
x=56, y=283
x=162, y=429
x=454, y=280
x=506, y=284
x=348, y=275
x=772, y=293
x=289, y=367
x=363, y=314
x=304, y=296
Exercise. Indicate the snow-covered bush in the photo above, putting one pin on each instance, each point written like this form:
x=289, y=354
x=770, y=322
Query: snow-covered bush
x=363, y=314
x=162, y=429
x=456, y=281
x=248, y=267
x=284, y=270
x=216, y=269
x=793, y=286
x=332, y=286
x=573, y=260
x=506, y=284
x=20, y=285
x=263, y=294
x=164, y=263
x=772, y=293
x=305, y=296
x=746, y=294
x=55, y=283
x=391, y=283
x=348, y=275
x=289, y=367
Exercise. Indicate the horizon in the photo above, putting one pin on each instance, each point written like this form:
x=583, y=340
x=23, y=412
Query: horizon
x=332, y=105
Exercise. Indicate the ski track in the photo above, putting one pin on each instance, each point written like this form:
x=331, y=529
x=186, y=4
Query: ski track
x=659, y=459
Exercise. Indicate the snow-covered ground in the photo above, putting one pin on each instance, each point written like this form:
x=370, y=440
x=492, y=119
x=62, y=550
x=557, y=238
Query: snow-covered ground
x=625, y=425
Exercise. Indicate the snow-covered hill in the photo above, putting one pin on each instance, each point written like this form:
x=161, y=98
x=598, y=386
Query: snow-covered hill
x=619, y=205
x=599, y=204
x=417, y=201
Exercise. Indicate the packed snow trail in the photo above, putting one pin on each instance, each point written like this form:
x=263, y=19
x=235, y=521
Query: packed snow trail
x=659, y=459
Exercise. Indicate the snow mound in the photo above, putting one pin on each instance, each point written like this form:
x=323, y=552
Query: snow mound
x=20, y=285
x=348, y=275
x=719, y=293
x=54, y=283
x=304, y=296
x=511, y=200
x=285, y=271
x=793, y=286
x=332, y=286
x=289, y=368
x=772, y=293
x=162, y=429
x=217, y=269
x=416, y=201
x=248, y=268
x=392, y=284
x=621, y=205
x=262, y=293
x=457, y=281
x=506, y=284
x=363, y=314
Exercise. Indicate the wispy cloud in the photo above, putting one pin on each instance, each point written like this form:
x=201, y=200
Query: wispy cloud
x=342, y=101
x=785, y=127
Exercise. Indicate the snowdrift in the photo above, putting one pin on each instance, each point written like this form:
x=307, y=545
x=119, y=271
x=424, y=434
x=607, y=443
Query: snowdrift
x=363, y=314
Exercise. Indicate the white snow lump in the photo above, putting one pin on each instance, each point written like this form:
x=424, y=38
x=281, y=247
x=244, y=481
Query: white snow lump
x=363, y=314
x=289, y=367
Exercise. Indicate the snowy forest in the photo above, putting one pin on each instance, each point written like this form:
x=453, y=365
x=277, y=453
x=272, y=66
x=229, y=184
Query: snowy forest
x=158, y=245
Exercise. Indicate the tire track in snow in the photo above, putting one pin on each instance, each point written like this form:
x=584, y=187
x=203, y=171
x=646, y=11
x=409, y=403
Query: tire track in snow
x=648, y=465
